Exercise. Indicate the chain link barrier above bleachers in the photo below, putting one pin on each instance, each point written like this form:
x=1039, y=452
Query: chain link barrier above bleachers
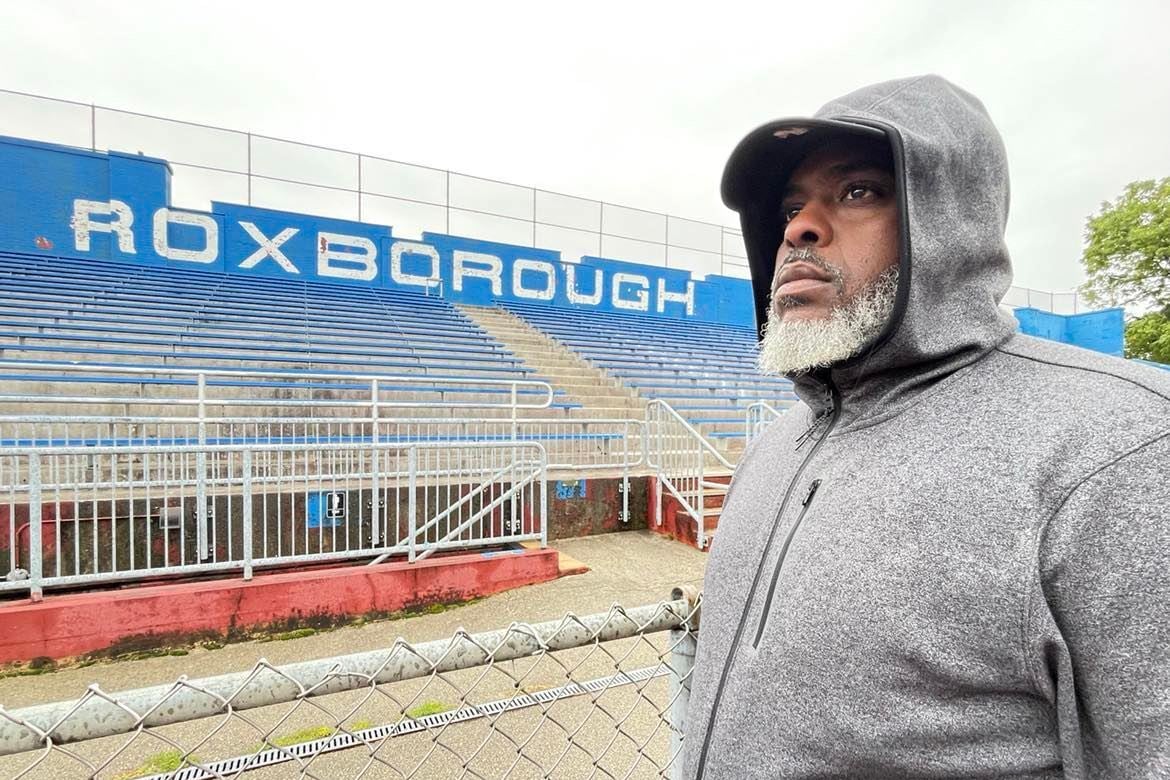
x=215, y=163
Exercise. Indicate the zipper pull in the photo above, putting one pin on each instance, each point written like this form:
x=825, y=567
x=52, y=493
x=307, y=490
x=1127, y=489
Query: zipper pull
x=812, y=490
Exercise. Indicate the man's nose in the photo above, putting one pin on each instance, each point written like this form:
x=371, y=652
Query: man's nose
x=810, y=227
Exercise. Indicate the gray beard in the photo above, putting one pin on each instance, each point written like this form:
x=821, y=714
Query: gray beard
x=797, y=347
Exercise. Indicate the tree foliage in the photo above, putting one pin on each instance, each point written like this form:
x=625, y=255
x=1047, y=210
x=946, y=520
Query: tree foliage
x=1148, y=338
x=1127, y=263
x=1127, y=252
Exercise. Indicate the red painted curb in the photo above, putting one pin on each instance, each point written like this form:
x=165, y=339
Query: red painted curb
x=70, y=625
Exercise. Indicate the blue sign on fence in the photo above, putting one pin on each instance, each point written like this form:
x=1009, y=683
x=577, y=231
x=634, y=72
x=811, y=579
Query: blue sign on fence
x=327, y=509
x=70, y=202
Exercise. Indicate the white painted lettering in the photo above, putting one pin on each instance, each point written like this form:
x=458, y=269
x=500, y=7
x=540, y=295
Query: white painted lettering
x=687, y=297
x=641, y=299
x=575, y=295
x=269, y=247
x=540, y=266
x=494, y=268
x=365, y=255
x=122, y=219
x=164, y=218
x=400, y=248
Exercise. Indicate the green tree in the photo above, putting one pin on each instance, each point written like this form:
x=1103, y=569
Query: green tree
x=1127, y=263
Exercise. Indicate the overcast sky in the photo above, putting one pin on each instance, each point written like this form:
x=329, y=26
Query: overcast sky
x=631, y=103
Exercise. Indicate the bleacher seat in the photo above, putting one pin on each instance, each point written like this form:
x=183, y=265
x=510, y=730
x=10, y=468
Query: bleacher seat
x=706, y=371
x=98, y=313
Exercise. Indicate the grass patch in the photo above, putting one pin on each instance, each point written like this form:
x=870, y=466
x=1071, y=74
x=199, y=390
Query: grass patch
x=304, y=735
x=298, y=633
x=167, y=761
x=428, y=707
x=361, y=725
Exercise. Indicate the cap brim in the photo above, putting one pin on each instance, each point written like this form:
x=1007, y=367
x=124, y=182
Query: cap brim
x=766, y=157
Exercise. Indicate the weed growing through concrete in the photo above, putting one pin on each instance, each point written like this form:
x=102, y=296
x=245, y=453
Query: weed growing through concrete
x=428, y=707
x=167, y=761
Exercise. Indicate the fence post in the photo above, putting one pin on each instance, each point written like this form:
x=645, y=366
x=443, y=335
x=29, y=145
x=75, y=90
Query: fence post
x=683, y=645
x=35, y=567
x=626, y=474
x=543, y=497
x=201, y=544
x=411, y=500
x=375, y=467
x=247, y=512
x=515, y=435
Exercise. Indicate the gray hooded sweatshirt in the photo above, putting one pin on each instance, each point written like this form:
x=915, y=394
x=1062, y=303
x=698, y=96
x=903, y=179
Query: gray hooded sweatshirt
x=962, y=567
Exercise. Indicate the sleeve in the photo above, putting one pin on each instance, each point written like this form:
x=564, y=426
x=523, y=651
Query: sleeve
x=1104, y=576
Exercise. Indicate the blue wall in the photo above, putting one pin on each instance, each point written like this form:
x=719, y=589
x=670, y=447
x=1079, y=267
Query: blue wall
x=68, y=202
x=1102, y=331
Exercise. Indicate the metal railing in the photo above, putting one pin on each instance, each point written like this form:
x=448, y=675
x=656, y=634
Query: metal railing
x=759, y=416
x=83, y=515
x=235, y=166
x=603, y=694
x=683, y=463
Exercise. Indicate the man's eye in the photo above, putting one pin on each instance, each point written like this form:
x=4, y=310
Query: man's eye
x=789, y=212
x=858, y=191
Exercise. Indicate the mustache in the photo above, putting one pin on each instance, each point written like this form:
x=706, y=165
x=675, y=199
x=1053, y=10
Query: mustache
x=809, y=255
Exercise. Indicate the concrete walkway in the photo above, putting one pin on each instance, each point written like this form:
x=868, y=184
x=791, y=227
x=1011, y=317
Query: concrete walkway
x=632, y=568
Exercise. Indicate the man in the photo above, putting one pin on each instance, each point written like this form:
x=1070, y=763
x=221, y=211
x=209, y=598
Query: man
x=953, y=559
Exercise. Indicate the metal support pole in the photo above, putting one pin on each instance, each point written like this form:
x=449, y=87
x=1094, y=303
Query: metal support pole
x=375, y=468
x=411, y=501
x=543, y=498
x=515, y=435
x=626, y=476
x=35, y=568
x=247, y=512
x=201, y=544
x=683, y=645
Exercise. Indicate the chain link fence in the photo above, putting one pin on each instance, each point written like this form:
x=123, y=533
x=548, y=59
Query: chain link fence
x=602, y=695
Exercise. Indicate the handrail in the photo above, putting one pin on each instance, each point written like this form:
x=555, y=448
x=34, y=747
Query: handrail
x=706, y=445
x=689, y=463
x=753, y=417
x=369, y=382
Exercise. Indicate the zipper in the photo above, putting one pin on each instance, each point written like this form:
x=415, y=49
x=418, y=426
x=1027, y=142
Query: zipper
x=731, y=653
x=804, y=505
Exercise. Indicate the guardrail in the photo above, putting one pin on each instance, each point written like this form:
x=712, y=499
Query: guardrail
x=604, y=693
x=683, y=460
x=759, y=416
x=79, y=515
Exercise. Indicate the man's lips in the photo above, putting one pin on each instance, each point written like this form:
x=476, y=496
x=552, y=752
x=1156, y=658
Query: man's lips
x=799, y=279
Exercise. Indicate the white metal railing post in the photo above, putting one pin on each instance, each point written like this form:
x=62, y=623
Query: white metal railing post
x=411, y=501
x=246, y=510
x=543, y=497
x=626, y=473
x=202, y=553
x=701, y=504
x=515, y=437
x=375, y=468
x=35, y=561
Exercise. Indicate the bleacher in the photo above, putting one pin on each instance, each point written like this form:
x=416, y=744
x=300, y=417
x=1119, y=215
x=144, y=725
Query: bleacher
x=706, y=371
x=101, y=314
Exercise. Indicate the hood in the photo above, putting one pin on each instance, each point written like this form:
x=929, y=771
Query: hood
x=952, y=184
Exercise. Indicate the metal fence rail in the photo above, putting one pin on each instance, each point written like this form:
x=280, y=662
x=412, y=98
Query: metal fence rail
x=759, y=416
x=683, y=463
x=599, y=695
x=77, y=515
x=214, y=163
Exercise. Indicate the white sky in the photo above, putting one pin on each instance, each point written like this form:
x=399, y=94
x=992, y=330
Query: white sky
x=632, y=103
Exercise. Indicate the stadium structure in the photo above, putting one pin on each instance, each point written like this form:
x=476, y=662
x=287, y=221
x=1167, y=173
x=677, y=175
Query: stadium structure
x=249, y=414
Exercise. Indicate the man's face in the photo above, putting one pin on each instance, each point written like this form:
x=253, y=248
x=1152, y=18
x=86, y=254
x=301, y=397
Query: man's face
x=841, y=232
